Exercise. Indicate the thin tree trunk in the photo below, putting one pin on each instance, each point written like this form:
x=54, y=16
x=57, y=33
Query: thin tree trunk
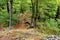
x=35, y=20
x=21, y=9
x=33, y=11
x=10, y=12
x=7, y=6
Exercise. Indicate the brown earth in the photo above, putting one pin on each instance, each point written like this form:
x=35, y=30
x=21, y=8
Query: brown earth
x=22, y=22
x=20, y=34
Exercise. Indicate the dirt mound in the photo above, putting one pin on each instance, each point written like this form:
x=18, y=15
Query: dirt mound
x=24, y=22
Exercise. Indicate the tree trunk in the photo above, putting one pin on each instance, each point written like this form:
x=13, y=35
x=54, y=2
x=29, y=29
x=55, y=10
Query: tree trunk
x=7, y=6
x=35, y=20
x=21, y=9
x=33, y=11
x=10, y=12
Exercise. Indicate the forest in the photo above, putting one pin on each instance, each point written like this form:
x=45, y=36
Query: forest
x=40, y=15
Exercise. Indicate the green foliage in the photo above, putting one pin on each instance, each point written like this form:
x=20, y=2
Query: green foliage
x=53, y=25
x=2, y=4
x=21, y=3
x=48, y=8
x=49, y=27
x=14, y=19
x=4, y=18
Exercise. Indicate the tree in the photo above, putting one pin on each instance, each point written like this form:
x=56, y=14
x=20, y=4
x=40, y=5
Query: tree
x=33, y=11
x=35, y=19
x=7, y=6
x=10, y=12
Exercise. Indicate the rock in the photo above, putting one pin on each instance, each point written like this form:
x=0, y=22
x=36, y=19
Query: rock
x=51, y=37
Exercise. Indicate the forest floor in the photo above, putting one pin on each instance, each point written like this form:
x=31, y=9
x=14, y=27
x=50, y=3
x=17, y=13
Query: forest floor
x=27, y=34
